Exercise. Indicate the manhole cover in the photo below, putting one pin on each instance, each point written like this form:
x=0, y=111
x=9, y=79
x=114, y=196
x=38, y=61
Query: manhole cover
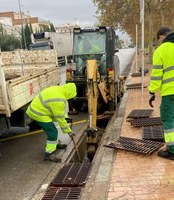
x=153, y=133
x=154, y=121
x=58, y=193
x=72, y=174
x=140, y=113
x=135, y=145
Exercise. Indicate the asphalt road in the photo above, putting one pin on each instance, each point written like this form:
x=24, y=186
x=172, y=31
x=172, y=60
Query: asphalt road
x=22, y=168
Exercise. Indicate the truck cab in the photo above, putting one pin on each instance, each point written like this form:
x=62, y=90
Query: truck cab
x=62, y=43
x=40, y=41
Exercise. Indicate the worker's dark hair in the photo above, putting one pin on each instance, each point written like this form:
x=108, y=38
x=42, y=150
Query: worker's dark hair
x=163, y=31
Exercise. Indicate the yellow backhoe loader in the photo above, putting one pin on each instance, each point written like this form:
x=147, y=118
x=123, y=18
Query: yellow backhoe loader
x=96, y=74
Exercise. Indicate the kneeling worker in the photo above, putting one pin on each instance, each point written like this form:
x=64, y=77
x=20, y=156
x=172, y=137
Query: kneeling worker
x=48, y=107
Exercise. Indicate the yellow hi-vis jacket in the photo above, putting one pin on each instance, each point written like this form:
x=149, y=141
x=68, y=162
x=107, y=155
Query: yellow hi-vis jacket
x=162, y=74
x=50, y=105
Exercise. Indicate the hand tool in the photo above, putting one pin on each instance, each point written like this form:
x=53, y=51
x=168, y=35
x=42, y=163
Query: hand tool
x=69, y=120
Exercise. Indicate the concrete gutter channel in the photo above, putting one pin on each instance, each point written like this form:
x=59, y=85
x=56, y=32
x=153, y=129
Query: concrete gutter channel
x=96, y=187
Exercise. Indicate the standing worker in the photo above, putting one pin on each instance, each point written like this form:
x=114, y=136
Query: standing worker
x=49, y=106
x=162, y=78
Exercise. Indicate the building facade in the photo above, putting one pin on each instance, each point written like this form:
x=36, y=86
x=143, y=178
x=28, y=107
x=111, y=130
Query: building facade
x=13, y=22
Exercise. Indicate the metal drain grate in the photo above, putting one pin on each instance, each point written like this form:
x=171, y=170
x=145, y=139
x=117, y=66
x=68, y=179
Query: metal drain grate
x=135, y=87
x=72, y=174
x=140, y=113
x=135, y=145
x=55, y=193
x=136, y=74
x=154, y=121
x=133, y=84
x=153, y=133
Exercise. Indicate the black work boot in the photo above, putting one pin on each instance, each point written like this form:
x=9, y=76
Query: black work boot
x=166, y=154
x=52, y=158
x=61, y=145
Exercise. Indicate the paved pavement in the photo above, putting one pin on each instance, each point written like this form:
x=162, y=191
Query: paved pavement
x=136, y=176
x=124, y=175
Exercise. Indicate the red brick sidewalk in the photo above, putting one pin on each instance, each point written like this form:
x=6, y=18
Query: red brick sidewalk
x=137, y=176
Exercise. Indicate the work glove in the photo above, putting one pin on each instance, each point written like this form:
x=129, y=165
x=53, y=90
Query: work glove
x=69, y=120
x=71, y=134
x=151, y=98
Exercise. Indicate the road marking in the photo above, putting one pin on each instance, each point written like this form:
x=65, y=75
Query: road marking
x=35, y=132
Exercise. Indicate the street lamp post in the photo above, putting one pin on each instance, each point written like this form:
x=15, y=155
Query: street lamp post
x=142, y=40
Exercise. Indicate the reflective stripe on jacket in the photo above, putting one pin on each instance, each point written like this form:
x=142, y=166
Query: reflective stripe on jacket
x=50, y=105
x=162, y=74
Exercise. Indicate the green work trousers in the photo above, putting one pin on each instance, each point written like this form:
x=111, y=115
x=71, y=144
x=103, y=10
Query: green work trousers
x=167, y=117
x=52, y=136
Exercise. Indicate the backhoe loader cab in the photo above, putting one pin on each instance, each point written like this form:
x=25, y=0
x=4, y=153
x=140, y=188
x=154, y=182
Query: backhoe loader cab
x=95, y=43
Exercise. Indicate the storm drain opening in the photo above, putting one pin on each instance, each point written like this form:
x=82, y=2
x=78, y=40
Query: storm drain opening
x=154, y=121
x=103, y=119
x=62, y=193
x=155, y=133
x=68, y=182
x=72, y=175
x=135, y=145
x=140, y=113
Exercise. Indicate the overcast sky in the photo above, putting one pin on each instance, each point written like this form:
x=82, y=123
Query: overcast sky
x=56, y=11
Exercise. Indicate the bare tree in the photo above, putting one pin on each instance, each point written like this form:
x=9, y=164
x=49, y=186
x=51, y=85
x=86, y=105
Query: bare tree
x=125, y=14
